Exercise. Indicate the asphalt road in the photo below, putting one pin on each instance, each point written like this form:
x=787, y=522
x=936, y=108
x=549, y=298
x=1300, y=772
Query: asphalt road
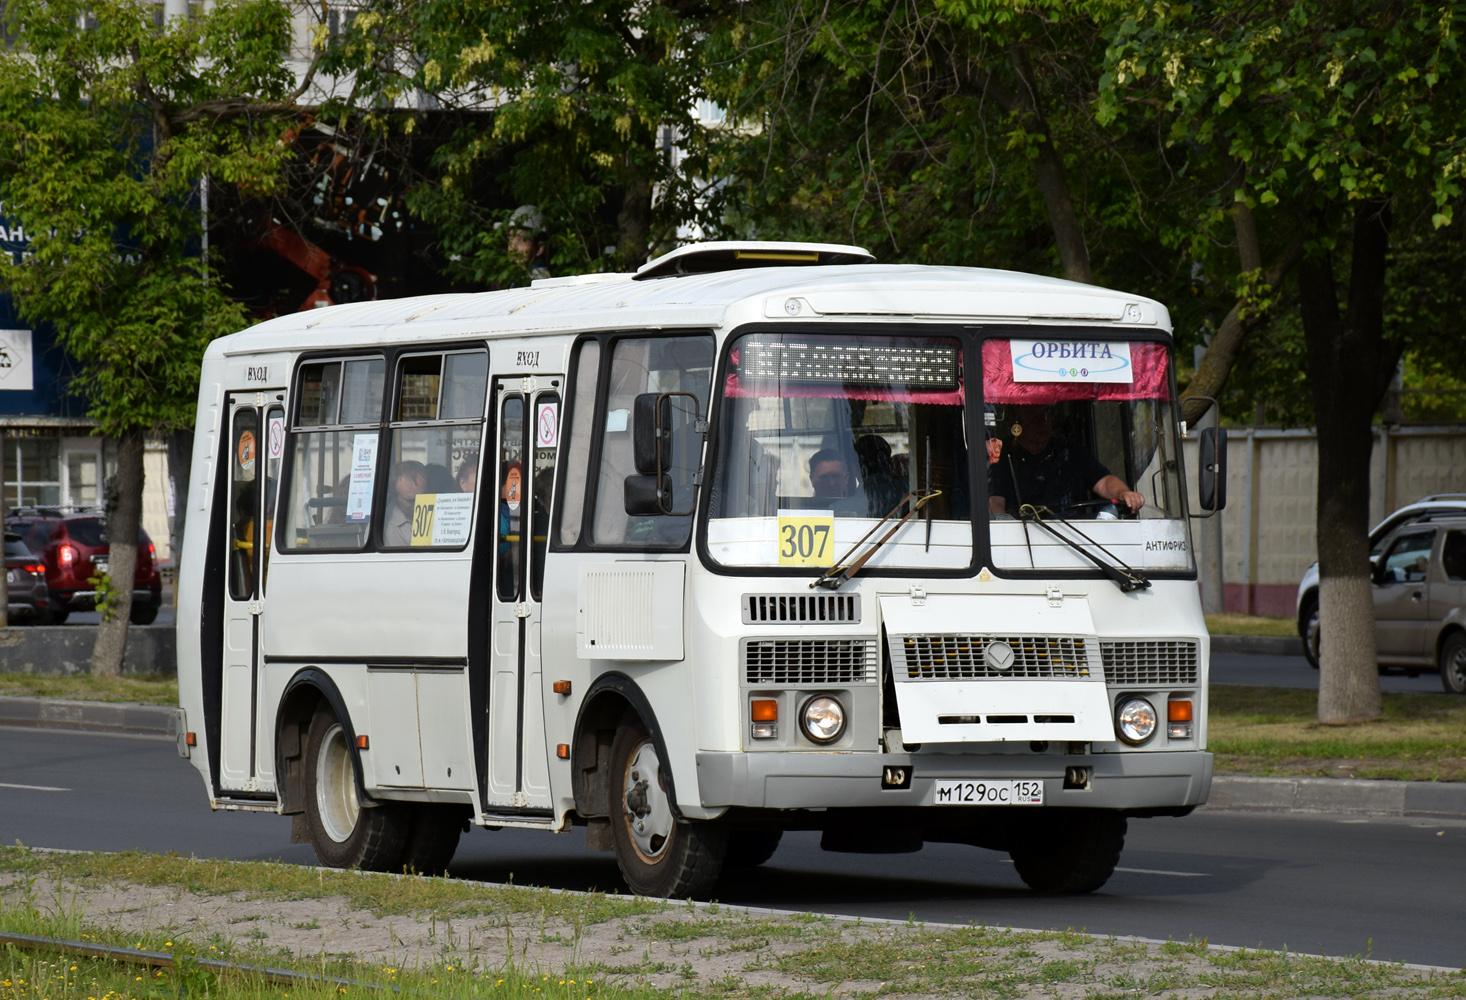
x=1387, y=888
x=1294, y=672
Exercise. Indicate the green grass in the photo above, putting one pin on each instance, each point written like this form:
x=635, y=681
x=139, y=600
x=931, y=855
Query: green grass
x=1275, y=732
x=1229, y=624
x=830, y=958
x=142, y=689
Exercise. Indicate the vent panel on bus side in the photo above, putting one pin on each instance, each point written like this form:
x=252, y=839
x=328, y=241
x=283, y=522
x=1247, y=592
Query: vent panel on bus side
x=833, y=609
x=804, y=662
x=1150, y=662
x=630, y=611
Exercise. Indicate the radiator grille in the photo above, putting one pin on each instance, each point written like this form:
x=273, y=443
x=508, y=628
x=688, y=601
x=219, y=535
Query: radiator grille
x=1149, y=661
x=944, y=657
x=830, y=608
x=809, y=661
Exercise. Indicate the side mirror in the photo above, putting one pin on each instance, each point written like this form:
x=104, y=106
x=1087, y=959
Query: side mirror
x=651, y=433
x=648, y=495
x=1212, y=476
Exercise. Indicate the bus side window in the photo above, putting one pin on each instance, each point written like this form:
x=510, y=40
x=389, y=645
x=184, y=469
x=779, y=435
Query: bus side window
x=244, y=502
x=581, y=431
x=335, y=434
x=651, y=364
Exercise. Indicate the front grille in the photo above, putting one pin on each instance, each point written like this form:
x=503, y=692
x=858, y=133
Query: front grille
x=796, y=662
x=1147, y=662
x=835, y=609
x=954, y=657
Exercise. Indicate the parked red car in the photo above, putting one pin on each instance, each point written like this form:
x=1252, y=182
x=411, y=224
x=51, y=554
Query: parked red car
x=28, y=602
x=74, y=548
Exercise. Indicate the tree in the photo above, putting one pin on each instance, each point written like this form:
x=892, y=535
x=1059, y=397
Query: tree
x=108, y=124
x=585, y=108
x=1341, y=121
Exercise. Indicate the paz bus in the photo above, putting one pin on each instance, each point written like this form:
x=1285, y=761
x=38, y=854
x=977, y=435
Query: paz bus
x=763, y=537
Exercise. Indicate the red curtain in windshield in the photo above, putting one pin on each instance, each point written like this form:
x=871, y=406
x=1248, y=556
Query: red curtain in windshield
x=1151, y=380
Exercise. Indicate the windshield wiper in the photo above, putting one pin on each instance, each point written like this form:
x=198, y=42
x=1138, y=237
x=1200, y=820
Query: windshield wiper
x=842, y=570
x=1119, y=573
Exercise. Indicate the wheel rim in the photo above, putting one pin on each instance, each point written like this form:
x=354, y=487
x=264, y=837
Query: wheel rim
x=647, y=811
x=336, y=800
x=1456, y=668
x=1311, y=633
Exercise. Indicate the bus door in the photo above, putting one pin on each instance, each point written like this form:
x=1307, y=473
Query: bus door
x=528, y=434
x=256, y=445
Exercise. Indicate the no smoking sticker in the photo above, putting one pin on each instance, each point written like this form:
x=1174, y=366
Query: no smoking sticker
x=277, y=438
x=547, y=425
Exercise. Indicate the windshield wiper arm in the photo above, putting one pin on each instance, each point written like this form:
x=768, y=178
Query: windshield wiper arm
x=1119, y=573
x=842, y=570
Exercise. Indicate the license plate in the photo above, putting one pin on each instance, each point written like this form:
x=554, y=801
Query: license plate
x=14, y=576
x=1000, y=792
x=101, y=565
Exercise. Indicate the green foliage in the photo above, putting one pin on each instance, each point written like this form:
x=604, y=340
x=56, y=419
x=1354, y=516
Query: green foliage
x=105, y=135
x=578, y=107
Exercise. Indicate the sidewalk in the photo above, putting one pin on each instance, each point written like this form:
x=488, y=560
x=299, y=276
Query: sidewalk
x=1332, y=796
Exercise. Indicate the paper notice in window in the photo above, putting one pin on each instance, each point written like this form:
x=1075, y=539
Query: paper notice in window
x=452, y=518
x=363, y=471
x=1071, y=361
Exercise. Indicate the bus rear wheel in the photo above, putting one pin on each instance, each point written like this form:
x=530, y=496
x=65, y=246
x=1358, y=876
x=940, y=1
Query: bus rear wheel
x=658, y=854
x=1076, y=851
x=344, y=833
x=432, y=837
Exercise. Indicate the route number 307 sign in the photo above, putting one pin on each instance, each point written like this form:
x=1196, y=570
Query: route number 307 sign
x=806, y=538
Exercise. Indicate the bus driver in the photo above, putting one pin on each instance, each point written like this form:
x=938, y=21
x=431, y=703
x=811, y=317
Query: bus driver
x=1046, y=470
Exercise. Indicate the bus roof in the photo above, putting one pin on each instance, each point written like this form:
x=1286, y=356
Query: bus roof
x=848, y=292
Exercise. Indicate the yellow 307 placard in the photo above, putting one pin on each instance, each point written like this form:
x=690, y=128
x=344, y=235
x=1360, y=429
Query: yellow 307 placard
x=806, y=539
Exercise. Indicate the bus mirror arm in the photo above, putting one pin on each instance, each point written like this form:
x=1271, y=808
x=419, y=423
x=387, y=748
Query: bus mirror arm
x=651, y=491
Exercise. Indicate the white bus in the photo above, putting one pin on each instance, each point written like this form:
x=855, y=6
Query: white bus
x=763, y=537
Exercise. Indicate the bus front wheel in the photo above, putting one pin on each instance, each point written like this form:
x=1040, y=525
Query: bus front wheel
x=344, y=833
x=658, y=854
x=1075, y=853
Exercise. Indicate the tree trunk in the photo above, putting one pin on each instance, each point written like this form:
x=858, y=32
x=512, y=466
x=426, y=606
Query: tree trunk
x=123, y=524
x=1048, y=170
x=1349, y=367
x=634, y=222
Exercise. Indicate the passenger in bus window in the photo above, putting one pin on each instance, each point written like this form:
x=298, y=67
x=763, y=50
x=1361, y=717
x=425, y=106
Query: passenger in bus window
x=830, y=475
x=1044, y=469
x=468, y=474
x=408, y=478
x=883, y=491
x=440, y=480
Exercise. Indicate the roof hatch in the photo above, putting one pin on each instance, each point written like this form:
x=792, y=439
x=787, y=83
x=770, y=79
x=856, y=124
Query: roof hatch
x=707, y=258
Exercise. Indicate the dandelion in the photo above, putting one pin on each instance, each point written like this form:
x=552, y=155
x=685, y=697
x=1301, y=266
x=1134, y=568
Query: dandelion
x=167, y=944
x=73, y=968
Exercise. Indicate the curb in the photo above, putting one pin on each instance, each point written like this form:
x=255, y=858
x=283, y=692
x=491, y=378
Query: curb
x=90, y=716
x=1258, y=645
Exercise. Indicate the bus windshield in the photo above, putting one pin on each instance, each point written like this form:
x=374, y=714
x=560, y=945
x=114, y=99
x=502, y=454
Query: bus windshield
x=848, y=428
x=1082, y=431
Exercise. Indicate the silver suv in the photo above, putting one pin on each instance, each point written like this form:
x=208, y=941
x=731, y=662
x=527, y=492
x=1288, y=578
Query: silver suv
x=1431, y=507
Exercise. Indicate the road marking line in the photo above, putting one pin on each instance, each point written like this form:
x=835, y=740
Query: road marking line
x=34, y=788
x=1156, y=871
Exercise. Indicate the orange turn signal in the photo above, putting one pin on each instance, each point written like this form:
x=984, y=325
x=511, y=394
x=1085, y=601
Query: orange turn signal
x=560, y=687
x=765, y=710
x=361, y=743
x=191, y=739
x=1178, y=711
x=562, y=750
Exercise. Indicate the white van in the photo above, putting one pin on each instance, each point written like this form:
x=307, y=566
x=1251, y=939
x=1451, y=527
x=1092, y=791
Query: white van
x=763, y=537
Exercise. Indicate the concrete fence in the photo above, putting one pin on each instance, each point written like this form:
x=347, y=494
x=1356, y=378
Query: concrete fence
x=60, y=650
x=1268, y=536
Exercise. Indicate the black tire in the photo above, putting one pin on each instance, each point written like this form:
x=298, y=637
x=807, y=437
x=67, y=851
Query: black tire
x=344, y=833
x=750, y=848
x=143, y=614
x=1071, y=853
x=58, y=617
x=659, y=855
x=432, y=837
x=1308, y=628
x=1453, y=664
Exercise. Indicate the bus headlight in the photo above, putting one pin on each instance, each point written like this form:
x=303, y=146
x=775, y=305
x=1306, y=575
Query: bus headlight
x=1135, y=720
x=822, y=718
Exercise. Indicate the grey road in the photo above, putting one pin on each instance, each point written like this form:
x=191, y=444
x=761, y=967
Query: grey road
x=1294, y=671
x=1390, y=889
